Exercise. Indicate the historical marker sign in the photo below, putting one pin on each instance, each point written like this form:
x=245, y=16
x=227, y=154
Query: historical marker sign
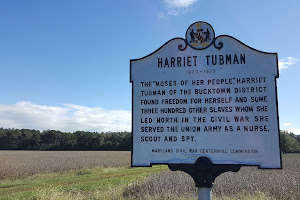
x=205, y=96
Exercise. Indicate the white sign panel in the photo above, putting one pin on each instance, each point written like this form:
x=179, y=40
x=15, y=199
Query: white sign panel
x=205, y=96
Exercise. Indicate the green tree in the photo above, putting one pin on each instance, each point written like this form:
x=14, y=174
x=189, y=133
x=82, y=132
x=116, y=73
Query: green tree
x=87, y=140
x=29, y=139
x=67, y=141
x=288, y=143
x=50, y=140
x=26, y=139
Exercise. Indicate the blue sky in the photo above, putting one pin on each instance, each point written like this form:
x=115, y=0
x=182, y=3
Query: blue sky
x=64, y=64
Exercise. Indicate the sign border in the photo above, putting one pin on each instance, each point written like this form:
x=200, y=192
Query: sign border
x=220, y=45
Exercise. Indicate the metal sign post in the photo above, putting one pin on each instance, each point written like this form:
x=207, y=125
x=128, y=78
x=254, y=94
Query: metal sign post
x=204, y=193
x=204, y=173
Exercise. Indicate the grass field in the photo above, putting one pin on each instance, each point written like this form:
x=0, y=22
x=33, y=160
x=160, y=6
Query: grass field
x=107, y=175
x=95, y=183
x=18, y=164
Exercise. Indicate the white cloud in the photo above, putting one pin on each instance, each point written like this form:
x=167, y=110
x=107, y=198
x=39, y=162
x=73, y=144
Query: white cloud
x=67, y=118
x=286, y=62
x=291, y=129
x=176, y=7
x=161, y=16
x=287, y=124
x=294, y=130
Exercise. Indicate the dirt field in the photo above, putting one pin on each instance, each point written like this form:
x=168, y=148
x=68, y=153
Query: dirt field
x=248, y=183
x=17, y=164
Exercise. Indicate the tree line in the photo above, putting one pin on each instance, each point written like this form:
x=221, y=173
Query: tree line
x=27, y=139
x=289, y=142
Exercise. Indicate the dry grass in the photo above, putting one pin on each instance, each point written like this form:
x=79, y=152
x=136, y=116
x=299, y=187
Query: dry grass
x=18, y=164
x=279, y=184
x=248, y=183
